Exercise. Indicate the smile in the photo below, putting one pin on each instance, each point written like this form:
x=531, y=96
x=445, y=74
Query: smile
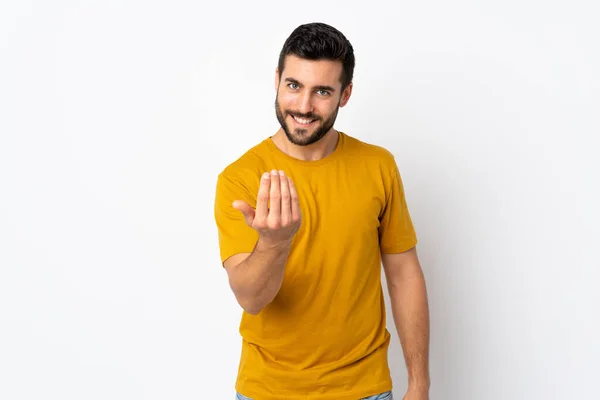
x=303, y=121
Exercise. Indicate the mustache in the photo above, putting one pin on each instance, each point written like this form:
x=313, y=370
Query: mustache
x=304, y=116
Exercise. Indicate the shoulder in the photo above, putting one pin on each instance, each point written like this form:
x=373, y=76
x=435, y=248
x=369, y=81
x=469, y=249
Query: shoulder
x=240, y=179
x=360, y=149
x=248, y=165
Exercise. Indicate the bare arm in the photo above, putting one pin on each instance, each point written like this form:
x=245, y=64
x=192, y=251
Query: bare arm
x=408, y=294
x=256, y=280
x=256, y=277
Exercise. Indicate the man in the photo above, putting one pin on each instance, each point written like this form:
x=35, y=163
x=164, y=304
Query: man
x=305, y=220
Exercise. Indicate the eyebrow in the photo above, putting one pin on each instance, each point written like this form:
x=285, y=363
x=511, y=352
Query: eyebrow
x=319, y=87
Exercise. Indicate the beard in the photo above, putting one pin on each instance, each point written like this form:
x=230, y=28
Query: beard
x=301, y=136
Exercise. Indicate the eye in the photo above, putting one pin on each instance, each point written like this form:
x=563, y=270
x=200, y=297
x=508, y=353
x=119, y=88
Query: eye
x=323, y=92
x=293, y=86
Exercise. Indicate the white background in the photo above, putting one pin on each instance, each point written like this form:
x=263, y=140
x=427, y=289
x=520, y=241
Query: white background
x=117, y=116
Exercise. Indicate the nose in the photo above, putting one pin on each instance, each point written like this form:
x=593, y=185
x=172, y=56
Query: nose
x=304, y=104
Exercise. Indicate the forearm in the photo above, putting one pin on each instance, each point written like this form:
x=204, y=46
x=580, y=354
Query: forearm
x=257, y=280
x=411, y=317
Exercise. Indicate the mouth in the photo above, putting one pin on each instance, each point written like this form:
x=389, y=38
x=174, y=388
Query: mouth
x=304, y=122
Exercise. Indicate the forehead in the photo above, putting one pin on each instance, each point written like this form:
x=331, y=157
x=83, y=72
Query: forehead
x=313, y=72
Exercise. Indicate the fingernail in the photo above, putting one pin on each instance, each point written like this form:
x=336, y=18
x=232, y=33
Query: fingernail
x=266, y=175
x=274, y=172
x=281, y=173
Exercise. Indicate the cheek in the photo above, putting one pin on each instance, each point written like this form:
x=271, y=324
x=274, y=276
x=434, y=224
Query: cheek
x=325, y=111
x=286, y=101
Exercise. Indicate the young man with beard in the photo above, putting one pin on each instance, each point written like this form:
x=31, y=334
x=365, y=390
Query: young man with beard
x=305, y=220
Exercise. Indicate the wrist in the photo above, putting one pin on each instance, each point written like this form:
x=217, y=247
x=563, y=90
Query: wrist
x=266, y=244
x=419, y=384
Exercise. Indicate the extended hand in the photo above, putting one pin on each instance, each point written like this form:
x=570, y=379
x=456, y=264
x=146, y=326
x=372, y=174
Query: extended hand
x=280, y=222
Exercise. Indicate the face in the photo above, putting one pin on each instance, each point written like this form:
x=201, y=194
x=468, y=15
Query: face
x=308, y=98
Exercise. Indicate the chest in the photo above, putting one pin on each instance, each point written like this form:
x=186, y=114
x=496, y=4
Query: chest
x=342, y=205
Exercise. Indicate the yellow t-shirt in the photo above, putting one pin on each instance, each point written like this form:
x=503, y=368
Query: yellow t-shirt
x=324, y=335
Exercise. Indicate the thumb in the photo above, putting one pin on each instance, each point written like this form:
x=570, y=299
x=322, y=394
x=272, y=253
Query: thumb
x=246, y=209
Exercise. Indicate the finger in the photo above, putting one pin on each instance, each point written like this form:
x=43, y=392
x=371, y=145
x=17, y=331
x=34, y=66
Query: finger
x=275, y=197
x=286, y=208
x=262, y=201
x=246, y=209
x=296, y=215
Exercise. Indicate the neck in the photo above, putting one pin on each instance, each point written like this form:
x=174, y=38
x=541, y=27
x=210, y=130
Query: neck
x=313, y=152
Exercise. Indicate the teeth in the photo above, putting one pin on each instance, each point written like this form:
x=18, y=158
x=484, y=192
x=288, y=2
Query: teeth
x=303, y=121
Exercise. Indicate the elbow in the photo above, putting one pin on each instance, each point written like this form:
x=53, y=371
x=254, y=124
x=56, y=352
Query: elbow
x=252, y=311
x=247, y=301
x=252, y=301
x=251, y=307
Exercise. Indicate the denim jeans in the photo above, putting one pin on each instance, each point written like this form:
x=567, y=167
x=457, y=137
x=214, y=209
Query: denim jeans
x=381, y=396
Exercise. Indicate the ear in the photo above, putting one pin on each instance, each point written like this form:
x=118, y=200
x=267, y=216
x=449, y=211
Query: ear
x=276, y=79
x=346, y=95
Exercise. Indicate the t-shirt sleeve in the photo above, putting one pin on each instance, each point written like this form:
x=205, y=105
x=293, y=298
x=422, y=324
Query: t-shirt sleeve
x=396, y=230
x=235, y=236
